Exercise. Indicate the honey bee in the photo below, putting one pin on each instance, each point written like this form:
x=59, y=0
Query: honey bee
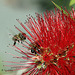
x=19, y=37
x=34, y=47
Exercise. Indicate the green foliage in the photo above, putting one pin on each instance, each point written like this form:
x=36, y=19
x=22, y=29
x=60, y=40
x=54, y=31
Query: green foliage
x=59, y=8
x=63, y=3
x=72, y=2
x=48, y=5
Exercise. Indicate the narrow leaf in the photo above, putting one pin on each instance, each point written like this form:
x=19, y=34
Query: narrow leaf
x=59, y=7
x=71, y=2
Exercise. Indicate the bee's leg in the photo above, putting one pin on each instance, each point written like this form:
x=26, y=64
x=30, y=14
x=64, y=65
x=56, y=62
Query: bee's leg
x=25, y=38
x=18, y=40
x=14, y=43
x=32, y=50
x=38, y=50
x=21, y=42
x=35, y=52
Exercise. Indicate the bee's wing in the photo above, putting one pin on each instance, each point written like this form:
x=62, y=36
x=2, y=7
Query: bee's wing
x=11, y=32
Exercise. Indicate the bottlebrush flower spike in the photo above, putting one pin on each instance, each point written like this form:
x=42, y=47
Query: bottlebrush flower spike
x=52, y=44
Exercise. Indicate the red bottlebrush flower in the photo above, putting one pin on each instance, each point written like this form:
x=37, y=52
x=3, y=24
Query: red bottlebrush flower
x=51, y=46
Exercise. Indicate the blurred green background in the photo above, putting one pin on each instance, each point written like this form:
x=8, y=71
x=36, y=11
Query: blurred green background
x=10, y=10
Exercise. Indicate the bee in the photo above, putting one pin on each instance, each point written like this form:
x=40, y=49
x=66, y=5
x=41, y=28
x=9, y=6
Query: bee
x=19, y=37
x=34, y=47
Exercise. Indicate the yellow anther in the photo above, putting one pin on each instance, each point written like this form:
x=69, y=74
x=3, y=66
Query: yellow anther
x=51, y=54
x=41, y=47
x=72, y=46
x=36, y=54
x=68, y=59
x=56, y=56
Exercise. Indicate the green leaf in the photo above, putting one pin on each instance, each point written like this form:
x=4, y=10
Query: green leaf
x=56, y=5
x=59, y=7
x=71, y=2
